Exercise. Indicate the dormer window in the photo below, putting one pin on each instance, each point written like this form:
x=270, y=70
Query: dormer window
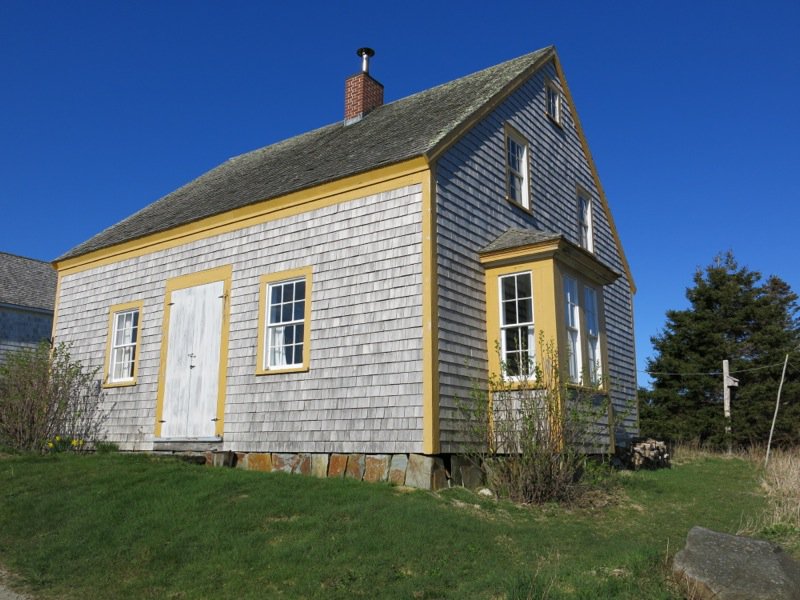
x=517, y=181
x=553, y=101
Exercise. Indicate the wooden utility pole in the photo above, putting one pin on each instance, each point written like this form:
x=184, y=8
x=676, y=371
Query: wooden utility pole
x=727, y=383
x=777, y=406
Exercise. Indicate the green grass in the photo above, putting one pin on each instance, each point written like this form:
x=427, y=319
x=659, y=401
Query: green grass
x=122, y=526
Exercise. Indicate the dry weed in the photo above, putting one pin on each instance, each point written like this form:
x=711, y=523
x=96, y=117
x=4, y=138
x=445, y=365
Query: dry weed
x=781, y=484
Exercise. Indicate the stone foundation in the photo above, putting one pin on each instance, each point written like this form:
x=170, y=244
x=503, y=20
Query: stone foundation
x=412, y=470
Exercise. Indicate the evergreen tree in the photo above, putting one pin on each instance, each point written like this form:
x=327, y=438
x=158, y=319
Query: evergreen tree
x=752, y=323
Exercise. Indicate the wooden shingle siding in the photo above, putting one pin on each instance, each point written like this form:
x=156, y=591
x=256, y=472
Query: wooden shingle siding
x=472, y=211
x=22, y=328
x=363, y=390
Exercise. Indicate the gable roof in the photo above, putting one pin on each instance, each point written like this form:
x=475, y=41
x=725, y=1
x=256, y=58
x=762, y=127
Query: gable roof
x=27, y=282
x=414, y=126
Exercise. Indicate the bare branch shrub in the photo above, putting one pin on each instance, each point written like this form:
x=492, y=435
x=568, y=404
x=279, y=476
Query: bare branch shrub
x=49, y=401
x=530, y=432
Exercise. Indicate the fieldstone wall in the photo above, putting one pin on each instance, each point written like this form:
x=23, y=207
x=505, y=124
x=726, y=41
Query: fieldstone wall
x=412, y=470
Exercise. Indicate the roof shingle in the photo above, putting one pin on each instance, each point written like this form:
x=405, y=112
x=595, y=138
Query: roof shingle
x=407, y=128
x=27, y=282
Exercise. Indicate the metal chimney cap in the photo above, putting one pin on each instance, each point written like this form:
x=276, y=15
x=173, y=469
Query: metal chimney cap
x=365, y=54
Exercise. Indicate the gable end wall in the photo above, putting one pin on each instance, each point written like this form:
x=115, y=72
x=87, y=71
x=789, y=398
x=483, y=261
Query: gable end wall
x=472, y=211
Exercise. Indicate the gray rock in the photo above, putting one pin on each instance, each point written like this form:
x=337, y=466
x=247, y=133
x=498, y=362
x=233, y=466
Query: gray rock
x=465, y=472
x=319, y=465
x=397, y=469
x=425, y=472
x=730, y=567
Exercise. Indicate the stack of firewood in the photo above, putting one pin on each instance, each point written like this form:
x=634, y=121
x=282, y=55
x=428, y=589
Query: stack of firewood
x=650, y=454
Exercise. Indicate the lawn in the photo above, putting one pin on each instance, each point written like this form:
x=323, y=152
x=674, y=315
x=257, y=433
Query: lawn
x=135, y=526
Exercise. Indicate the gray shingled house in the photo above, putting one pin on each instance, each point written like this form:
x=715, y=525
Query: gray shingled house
x=27, y=297
x=334, y=293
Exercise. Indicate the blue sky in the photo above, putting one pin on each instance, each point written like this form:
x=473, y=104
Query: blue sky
x=690, y=109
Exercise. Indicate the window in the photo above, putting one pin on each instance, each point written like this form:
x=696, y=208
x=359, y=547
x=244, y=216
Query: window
x=283, y=343
x=572, y=314
x=286, y=323
x=592, y=336
x=516, y=324
x=553, y=96
x=517, y=183
x=585, y=222
x=122, y=350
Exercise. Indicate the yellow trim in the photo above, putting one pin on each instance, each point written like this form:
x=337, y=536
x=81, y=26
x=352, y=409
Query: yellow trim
x=595, y=177
x=113, y=311
x=55, y=307
x=263, y=284
x=372, y=182
x=579, y=259
x=223, y=274
x=430, y=319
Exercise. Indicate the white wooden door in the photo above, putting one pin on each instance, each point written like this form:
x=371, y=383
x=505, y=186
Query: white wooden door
x=191, y=383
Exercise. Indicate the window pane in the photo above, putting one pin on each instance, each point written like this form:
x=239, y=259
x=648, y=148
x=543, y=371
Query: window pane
x=275, y=295
x=516, y=187
x=523, y=339
x=275, y=314
x=509, y=291
x=286, y=313
x=298, y=354
x=525, y=311
x=299, y=332
x=509, y=313
x=512, y=340
x=524, y=285
x=288, y=335
x=299, y=310
x=288, y=292
x=512, y=365
x=300, y=290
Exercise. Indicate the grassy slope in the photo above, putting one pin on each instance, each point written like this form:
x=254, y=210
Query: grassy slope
x=121, y=526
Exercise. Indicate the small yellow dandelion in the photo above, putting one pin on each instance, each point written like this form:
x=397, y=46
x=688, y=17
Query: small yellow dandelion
x=74, y=443
x=49, y=444
x=58, y=438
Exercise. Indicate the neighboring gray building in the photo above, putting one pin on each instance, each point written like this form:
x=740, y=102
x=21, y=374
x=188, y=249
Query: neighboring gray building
x=337, y=291
x=27, y=298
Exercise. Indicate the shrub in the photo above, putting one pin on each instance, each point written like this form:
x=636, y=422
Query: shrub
x=530, y=434
x=48, y=401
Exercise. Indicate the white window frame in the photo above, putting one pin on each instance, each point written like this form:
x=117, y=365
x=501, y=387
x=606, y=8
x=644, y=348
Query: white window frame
x=290, y=327
x=594, y=361
x=124, y=335
x=585, y=233
x=524, y=329
x=553, y=101
x=517, y=169
x=572, y=321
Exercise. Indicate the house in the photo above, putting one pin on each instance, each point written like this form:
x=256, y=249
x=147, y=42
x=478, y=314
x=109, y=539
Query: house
x=336, y=292
x=27, y=297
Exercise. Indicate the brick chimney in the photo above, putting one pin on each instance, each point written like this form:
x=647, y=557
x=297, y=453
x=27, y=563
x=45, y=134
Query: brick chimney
x=361, y=92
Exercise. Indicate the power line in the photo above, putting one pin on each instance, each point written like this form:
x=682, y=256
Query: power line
x=710, y=373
